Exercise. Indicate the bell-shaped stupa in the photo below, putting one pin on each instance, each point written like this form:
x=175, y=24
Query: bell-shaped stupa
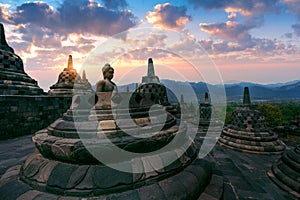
x=205, y=112
x=13, y=79
x=248, y=131
x=69, y=82
x=286, y=172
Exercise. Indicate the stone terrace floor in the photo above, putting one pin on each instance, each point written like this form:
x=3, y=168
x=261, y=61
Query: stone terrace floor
x=244, y=174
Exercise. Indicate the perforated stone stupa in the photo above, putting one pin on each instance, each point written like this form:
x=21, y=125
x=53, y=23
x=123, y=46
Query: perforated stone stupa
x=286, y=172
x=151, y=86
x=73, y=153
x=248, y=132
x=13, y=79
x=205, y=112
x=69, y=82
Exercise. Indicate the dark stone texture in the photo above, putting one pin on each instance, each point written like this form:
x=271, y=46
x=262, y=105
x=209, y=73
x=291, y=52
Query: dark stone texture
x=132, y=194
x=286, y=172
x=105, y=177
x=153, y=191
x=31, y=113
x=60, y=175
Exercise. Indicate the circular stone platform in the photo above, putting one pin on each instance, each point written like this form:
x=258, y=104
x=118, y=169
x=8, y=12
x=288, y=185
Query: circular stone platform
x=63, y=167
x=249, y=133
x=286, y=172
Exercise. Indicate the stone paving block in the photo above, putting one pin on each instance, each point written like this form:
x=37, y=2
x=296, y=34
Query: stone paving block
x=152, y=191
x=29, y=195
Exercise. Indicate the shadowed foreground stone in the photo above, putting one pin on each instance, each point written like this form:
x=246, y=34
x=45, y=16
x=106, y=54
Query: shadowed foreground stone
x=247, y=132
x=286, y=172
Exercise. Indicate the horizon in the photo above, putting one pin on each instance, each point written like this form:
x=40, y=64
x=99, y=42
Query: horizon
x=232, y=41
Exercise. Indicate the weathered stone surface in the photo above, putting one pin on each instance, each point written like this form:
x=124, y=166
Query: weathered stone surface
x=29, y=195
x=105, y=177
x=286, y=172
x=31, y=113
x=153, y=191
x=248, y=132
x=250, y=168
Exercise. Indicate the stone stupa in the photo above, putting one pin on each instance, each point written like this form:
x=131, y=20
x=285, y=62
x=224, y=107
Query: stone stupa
x=205, y=112
x=248, y=131
x=69, y=82
x=151, y=86
x=286, y=172
x=13, y=79
x=77, y=152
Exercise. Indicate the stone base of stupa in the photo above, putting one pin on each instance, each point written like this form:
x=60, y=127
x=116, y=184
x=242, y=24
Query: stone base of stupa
x=286, y=172
x=251, y=142
x=195, y=181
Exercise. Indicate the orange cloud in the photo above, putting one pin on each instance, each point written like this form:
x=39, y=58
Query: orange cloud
x=168, y=16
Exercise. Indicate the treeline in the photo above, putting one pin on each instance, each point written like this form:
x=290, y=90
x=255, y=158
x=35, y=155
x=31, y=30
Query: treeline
x=276, y=113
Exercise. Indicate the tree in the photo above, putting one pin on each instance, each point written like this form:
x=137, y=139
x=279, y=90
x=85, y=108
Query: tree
x=272, y=114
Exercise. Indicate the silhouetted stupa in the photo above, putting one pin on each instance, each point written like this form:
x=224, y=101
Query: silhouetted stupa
x=69, y=82
x=13, y=79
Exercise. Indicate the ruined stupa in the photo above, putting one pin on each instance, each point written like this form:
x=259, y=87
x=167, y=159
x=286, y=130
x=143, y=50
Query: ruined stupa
x=69, y=82
x=77, y=152
x=286, y=172
x=13, y=79
x=248, y=132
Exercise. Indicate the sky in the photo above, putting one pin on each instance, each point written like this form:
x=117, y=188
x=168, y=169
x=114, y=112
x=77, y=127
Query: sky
x=192, y=40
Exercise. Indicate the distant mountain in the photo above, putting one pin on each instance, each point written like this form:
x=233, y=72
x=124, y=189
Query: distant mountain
x=289, y=90
x=234, y=91
x=274, y=85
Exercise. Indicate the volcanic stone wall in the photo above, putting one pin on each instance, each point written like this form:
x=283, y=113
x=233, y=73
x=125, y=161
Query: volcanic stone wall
x=23, y=115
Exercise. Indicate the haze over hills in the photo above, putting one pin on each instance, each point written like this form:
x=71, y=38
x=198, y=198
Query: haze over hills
x=234, y=91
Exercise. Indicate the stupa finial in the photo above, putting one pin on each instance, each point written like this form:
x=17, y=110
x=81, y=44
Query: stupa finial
x=83, y=75
x=70, y=62
x=206, y=99
x=150, y=68
x=246, y=100
x=150, y=78
x=3, y=43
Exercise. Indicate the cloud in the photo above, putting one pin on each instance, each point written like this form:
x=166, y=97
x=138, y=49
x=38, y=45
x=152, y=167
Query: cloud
x=252, y=11
x=148, y=40
x=82, y=17
x=246, y=8
x=293, y=6
x=115, y=4
x=168, y=16
x=4, y=12
x=236, y=37
x=288, y=35
x=230, y=30
x=296, y=28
